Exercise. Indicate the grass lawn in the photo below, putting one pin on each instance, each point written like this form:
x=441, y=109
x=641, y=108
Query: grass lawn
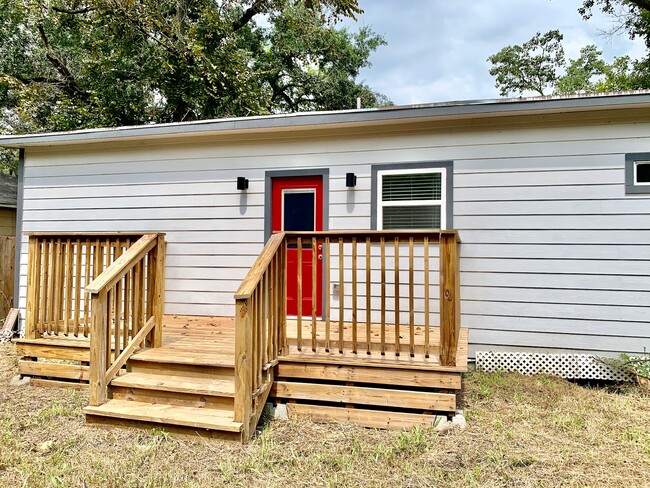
x=522, y=431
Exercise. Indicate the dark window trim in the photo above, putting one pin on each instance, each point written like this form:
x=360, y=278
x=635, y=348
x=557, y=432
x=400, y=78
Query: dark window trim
x=630, y=185
x=268, y=178
x=449, y=188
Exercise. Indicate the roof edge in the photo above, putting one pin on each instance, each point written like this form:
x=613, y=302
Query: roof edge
x=493, y=107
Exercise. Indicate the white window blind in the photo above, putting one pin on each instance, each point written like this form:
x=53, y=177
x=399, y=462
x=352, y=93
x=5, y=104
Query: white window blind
x=411, y=199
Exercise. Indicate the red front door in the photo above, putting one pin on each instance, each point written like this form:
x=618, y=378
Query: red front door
x=297, y=205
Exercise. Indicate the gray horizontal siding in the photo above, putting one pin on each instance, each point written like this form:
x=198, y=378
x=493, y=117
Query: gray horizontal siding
x=554, y=259
x=555, y=255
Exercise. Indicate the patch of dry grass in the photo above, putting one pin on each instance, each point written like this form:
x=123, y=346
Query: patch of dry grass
x=522, y=431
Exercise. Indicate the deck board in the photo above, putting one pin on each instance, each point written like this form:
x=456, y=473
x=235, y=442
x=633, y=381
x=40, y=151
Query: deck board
x=211, y=340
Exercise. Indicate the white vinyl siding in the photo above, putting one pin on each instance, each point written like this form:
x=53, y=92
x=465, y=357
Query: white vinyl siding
x=411, y=199
x=554, y=255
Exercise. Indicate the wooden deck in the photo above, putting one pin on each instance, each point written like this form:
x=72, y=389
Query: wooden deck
x=194, y=368
x=94, y=318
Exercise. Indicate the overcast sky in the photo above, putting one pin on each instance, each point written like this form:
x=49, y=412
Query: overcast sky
x=437, y=49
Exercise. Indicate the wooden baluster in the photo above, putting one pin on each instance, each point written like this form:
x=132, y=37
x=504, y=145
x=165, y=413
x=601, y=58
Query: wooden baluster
x=87, y=265
x=117, y=310
x=261, y=315
x=314, y=292
x=278, y=303
x=283, y=299
x=368, y=295
x=397, y=341
x=411, y=302
x=126, y=325
x=137, y=292
x=77, y=288
x=141, y=319
x=382, y=245
x=299, y=304
x=341, y=295
x=33, y=287
x=55, y=306
x=68, y=280
x=327, y=294
x=255, y=318
x=426, y=297
x=354, y=295
x=270, y=343
x=265, y=323
x=45, y=287
x=109, y=319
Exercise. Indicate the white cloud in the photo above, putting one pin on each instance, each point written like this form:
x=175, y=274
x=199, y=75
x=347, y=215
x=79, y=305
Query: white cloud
x=437, y=49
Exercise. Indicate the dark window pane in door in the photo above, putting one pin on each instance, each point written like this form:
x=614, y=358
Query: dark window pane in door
x=299, y=211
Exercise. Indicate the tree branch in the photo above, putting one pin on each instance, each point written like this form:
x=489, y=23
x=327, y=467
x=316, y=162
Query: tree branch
x=248, y=15
x=71, y=85
x=79, y=11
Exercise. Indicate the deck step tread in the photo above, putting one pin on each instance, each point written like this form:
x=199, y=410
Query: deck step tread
x=163, y=355
x=178, y=384
x=203, y=418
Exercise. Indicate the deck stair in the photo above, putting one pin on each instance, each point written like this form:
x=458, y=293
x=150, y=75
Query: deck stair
x=184, y=392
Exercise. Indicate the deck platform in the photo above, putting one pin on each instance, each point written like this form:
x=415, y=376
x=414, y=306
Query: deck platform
x=192, y=374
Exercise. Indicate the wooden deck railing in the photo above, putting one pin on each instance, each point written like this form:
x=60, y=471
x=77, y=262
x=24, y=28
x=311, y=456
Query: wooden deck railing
x=59, y=267
x=379, y=277
x=127, y=301
x=260, y=319
x=385, y=280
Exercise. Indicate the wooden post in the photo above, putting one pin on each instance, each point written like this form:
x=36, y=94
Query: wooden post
x=159, y=292
x=33, y=282
x=98, y=344
x=449, y=298
x=243, y=371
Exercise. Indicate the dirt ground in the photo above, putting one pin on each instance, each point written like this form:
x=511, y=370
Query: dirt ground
x=522, y=431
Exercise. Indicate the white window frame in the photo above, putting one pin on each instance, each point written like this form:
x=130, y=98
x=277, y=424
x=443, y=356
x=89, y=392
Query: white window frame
x=298, y=190
x=636, y=180
x=408, y=203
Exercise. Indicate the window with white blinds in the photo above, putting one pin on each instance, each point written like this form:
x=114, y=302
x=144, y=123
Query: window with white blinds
x=411, y=199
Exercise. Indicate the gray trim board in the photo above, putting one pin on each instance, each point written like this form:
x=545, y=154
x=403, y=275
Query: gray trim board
x=630, y=186
x=269, y=175
x=497, y=107
x=268, y=199
x=19, y=225
x=448, y=165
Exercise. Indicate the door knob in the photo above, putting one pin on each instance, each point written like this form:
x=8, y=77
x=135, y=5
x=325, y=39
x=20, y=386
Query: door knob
x=320, y=247
x=320, y=257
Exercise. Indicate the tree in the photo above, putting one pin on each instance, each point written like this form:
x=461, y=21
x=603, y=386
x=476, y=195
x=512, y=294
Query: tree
x=531, y=66
x=69, y=64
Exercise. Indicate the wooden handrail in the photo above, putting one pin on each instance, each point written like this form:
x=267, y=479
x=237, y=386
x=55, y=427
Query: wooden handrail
x=260, y=323
x=376, y=235
x=127, y=310
x=123, y=264
x=258, y=269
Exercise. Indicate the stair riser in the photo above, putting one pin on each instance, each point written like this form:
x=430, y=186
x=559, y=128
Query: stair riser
x=177, y=431
x=189, y=370
x=170, y=398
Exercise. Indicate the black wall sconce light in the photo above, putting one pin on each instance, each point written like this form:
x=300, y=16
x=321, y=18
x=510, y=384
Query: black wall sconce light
x=242, y=183
x=350, y=180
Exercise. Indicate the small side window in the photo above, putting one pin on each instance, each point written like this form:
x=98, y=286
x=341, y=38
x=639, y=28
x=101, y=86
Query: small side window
x=642, y=173
x=637, y=173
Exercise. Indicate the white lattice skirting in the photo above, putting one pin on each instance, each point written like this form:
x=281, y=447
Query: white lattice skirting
x=570, y=366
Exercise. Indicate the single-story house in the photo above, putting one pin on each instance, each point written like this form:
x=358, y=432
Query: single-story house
x=550, y=197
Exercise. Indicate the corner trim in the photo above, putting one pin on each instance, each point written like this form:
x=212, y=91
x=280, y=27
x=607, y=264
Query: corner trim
x=19, y=225
x=448, y=165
